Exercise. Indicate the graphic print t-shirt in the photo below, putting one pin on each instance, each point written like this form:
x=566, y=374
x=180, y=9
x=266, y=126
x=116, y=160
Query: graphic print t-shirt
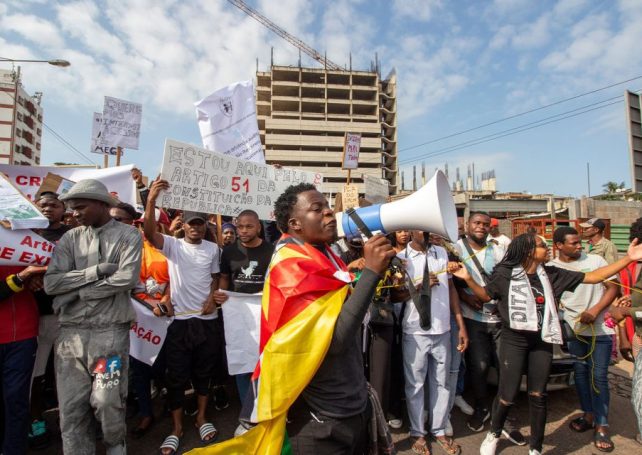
x=246, y=266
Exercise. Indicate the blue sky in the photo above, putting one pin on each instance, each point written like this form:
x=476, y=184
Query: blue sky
x=459, y=65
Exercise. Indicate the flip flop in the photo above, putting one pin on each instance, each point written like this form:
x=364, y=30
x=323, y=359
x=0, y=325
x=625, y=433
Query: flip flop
x=604, y=438
x=421, y=448
x=205, y=430
x=580, y=425
x=448, y=445
x=171, y=442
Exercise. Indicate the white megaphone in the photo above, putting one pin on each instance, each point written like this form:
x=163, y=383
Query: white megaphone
x=431, y=209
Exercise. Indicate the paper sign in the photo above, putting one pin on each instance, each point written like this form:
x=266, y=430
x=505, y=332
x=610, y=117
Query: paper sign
x=242, y=316
x=147, y=334
x=55, y=184
x=97, y=143
x=205, y=181
x=16, y=211
x=23, y=247
x=228, y=124
x=118, y=180
x=351, y=146
x=350, y=197
x=121, y=123
x=376, y=189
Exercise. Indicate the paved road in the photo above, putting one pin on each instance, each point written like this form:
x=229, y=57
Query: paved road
x=559, y=439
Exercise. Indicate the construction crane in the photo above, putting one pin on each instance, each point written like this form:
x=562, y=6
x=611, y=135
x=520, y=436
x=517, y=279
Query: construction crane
x=285, y=35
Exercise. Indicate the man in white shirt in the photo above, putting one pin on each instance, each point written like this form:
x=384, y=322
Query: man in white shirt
x=502, y=240
x=192, y=343
x=426, y=339
x=584, y=311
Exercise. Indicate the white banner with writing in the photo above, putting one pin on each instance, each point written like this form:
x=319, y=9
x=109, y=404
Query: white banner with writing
x=242, y=316
x=24, y=247
x=121, y=123
x=376, y=189
x=228, y=124
x=147, y=334
x=118, y=180
x=205, y=181
x=16, y=210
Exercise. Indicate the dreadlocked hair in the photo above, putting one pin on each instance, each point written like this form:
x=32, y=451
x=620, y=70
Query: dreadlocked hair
x=636, y=230
x=286, y=202
x=520, y=252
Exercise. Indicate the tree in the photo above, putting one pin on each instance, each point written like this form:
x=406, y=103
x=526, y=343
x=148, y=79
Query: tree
x=612, y=187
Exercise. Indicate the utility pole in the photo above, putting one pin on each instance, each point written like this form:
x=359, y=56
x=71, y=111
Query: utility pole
x=588, y=178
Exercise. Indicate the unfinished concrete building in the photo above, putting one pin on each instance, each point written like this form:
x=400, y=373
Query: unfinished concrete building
x=303, y=114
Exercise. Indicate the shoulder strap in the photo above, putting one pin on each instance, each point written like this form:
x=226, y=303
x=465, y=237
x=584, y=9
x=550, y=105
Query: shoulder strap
x=473, y=256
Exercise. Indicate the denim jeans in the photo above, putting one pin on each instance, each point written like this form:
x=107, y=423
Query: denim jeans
x=455, y=362
x=593, y=370
x=16, y=365
x=480, y=355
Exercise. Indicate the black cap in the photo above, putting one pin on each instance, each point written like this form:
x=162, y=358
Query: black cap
x=594, y=222
x=190, y=216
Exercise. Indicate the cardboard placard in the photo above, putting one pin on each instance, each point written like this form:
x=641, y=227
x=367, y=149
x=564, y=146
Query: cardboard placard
x=54, y=183
x=350, y=197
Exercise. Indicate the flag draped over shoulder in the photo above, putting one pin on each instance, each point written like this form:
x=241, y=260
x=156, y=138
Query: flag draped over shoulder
x=302, y=297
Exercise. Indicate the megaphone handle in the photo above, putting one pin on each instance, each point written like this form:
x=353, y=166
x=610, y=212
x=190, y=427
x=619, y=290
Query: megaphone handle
x=352, y=213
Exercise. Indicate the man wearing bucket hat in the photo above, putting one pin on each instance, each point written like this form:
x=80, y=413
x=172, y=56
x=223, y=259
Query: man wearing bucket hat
x=92, y=271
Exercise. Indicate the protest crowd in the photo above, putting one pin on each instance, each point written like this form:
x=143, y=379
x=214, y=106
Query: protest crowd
x=327, y=344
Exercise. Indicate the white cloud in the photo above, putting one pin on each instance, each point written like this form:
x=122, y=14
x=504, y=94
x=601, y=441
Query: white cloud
x=419, y=10
x=35, y=29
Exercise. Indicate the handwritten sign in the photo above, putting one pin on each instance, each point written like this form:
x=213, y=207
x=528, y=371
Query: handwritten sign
x=376, y=189
x=350, y=196
x=121, y=123
x=205, y=181
x=97, y=143
x=228, y=124
x=23, y=247
x=351, y=146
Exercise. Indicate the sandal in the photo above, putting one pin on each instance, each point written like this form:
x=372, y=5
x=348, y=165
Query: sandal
x=421, y=447
x=448, y=445
x=603, y=438
x=205, y=430
x=171, y=442
x=580, y=425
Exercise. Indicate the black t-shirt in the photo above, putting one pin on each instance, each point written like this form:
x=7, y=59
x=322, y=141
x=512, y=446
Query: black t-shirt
x=43, y=300
x=561, y=280
x=246, y=266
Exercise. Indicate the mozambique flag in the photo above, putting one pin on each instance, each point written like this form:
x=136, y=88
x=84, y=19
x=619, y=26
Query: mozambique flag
x=303, y=294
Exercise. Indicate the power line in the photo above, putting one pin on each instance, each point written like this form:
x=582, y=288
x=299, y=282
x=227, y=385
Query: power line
x=465, y=145
x=458, y=133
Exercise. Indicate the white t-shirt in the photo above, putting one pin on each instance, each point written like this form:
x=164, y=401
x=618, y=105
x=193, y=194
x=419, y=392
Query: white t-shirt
x=488, y=257
x=190, y=274
x=585, y=295
x=503, y=240
x=440, y=295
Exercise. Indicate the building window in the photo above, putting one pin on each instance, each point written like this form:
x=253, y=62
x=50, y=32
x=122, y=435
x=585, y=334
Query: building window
x=38, y=145
x=19, y=116
x=18, y=132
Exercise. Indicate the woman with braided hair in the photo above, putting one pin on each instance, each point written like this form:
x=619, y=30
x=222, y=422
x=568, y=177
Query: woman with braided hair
x=526, y=291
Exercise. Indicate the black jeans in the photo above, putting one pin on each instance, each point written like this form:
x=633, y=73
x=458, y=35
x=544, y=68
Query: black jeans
x=311, y=432
x=517, y=351
x=380, y=356
x=480, y=355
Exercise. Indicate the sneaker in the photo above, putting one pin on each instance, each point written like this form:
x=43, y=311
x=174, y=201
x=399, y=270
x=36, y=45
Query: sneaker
x=489, y=445
x=221, y=400
x=463, y=406
x=395, y=424
x=39, y=436
x=477, y=420
x=240, y=430
x=534, y=452
x=449, y=428
x=514, y=436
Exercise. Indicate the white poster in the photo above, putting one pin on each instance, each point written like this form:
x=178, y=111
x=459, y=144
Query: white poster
x=118, y=180
x=205, y=181
x=23, y=247
x=97, y=143
x=147, y=334
x=376, y=189
x=242, y=316
x=121, y=123
x=16, y=210
x=228, y=124
x=351, y=147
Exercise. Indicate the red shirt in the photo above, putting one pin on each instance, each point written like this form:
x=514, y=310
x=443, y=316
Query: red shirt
x=18, y=313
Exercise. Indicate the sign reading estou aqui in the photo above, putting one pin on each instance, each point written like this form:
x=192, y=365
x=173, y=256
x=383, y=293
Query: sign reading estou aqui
x=206, y=181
